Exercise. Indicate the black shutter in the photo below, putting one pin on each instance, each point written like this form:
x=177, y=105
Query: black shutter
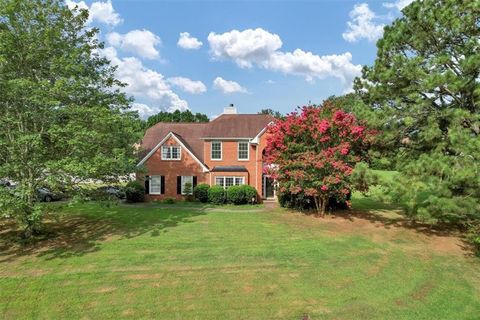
x=162, y=184
x=179, y=185
x=194, y=181
x=147, y=184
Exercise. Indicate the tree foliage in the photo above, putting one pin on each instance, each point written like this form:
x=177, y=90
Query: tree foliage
x=314, y=152
x=62, y=115
x=425, y=83
x=176, y=116
x=274, y=113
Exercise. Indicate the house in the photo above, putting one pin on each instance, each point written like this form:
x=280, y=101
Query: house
x=227, y=151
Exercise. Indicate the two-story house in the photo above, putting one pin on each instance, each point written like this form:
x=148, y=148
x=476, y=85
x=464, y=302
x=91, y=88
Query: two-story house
x=227, y=151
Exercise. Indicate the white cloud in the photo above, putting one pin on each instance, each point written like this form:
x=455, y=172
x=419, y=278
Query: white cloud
x=399, y=4
x=98, y=11
x=244, y=47
x=144, y=111
x=269, y=81
x=140, y=42
x=362, y=26
x=227, y=86
x=261, y=48
x=186, y=41
x=145, y=84
x=188, y=85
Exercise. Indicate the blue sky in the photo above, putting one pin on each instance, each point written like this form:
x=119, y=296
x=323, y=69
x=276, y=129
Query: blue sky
x=255, y=54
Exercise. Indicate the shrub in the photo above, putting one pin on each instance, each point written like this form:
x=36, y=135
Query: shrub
x=216, y=195
x=236, y=195
x=302, y=202
x=250, y=193
x=241, y=194
x=169, y=201
x=473, y=235
x=201, y=192
x=188, y=191
x=135, y=192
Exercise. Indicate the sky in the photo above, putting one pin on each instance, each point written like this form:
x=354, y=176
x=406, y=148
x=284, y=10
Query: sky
x=205, y=55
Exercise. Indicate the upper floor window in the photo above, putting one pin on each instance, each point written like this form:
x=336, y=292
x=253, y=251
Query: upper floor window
x=243, y=153
x=216, y=150
x=171, y=153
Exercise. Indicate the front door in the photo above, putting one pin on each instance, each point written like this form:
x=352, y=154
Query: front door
x=268, y=187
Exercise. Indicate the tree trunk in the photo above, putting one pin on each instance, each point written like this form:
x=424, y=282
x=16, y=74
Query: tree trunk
x=324, y=201
x=320, y=205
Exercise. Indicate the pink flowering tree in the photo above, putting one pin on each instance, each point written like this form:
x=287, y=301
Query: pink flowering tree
x=314, y=152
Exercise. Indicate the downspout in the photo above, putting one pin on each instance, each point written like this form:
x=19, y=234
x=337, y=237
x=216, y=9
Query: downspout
x=256, y=167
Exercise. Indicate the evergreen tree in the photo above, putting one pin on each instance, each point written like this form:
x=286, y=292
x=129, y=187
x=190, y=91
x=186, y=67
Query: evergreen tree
x=425, y=83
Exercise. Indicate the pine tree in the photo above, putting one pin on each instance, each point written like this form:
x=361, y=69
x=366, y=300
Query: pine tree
x=425, y=83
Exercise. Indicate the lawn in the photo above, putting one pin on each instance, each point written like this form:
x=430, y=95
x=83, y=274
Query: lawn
x=221, y=263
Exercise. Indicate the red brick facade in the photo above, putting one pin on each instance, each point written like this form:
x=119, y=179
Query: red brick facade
x=207, y=170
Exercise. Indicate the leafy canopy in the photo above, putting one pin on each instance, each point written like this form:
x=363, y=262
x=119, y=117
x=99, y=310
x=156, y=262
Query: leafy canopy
x=314, y=152
x=63, y=118
x=176, y=116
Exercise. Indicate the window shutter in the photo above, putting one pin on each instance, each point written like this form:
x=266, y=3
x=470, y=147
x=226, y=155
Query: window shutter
x=194, y=181
x=162, y=184
x=147, y=184
x=179, y=185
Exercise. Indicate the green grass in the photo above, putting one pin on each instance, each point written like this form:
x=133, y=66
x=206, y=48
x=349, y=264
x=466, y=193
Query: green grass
x=221, y=263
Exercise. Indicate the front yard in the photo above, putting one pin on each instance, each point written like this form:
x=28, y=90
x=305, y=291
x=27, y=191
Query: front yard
x=228, y=263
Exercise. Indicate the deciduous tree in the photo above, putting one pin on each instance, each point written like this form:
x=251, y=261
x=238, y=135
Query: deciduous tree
x=62, y=115
x=315, y=150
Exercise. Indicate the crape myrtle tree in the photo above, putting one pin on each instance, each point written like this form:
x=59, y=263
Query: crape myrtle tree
x=425, y=82
x=62, y=115
x=314, y=152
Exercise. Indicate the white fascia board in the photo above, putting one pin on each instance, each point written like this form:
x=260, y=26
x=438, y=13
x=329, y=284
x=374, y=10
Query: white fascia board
x=172, y=135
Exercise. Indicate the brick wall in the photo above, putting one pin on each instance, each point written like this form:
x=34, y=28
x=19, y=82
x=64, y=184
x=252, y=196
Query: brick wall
x=187, y=166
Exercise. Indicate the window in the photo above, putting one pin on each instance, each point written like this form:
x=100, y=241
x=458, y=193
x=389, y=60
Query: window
x=216, y=150
x=243, y=153
x=229, y=181
x=184, y=180
x=155, y=185
x=171, y=152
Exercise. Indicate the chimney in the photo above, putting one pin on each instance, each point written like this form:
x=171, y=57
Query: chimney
x=230, y=109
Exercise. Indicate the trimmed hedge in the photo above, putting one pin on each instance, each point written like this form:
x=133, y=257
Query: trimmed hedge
x=241, y=194
x=236, y=195
x=135, y=192
x=250, y=193
x=201, y=192
x=216, y=195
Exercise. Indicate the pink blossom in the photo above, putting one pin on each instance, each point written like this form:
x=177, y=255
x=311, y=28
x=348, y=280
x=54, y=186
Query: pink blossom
x=324, y=188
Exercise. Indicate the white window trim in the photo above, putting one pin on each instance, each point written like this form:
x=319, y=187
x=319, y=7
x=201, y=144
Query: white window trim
x=248, y=151
x=221, y=150
x=168, y=136
x=234, y=178
x=150, y=185
x=172, y=159
x=183, y=184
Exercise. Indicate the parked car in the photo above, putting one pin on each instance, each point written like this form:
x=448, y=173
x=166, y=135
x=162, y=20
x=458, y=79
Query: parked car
x=46, y=195
x=112, y=191
x=5, y=183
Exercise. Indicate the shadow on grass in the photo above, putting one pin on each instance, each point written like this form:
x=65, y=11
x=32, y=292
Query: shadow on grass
x=391, y=216
x=84, y=227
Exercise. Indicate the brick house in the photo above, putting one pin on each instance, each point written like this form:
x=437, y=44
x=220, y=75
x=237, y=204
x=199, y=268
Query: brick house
x=226, y=151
